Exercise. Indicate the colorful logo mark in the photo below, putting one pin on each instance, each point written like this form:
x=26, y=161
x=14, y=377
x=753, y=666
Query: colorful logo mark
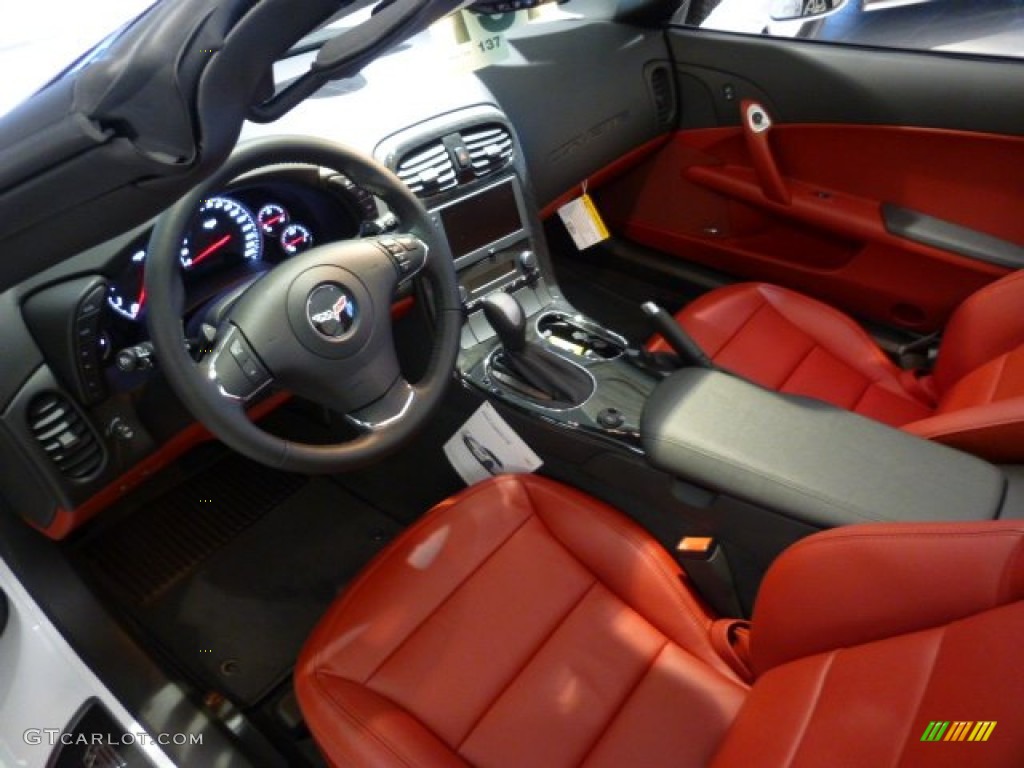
x=959, y=730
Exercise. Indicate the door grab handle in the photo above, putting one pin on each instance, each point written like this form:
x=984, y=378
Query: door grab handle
x=757, y=125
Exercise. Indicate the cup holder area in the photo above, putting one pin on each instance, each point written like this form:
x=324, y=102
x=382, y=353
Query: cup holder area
x=579, y=337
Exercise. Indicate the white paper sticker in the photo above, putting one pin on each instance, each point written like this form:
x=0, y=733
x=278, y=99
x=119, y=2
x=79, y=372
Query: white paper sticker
x=583, y=222
x=486, y=446
x=472, y=41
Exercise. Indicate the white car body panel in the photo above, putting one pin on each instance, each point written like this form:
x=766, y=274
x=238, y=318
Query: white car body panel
x=43, y=683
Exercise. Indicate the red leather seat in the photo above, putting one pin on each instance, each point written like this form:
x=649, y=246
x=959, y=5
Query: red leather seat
x=522, y=623
x=791, y=343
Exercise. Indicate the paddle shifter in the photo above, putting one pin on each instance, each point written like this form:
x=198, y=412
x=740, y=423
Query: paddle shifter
x=531, y=368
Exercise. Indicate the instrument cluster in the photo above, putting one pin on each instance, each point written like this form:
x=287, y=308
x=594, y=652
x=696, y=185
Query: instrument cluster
x=247, y=230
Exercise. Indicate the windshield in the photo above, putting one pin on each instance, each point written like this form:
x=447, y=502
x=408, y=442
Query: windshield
x=51, y=34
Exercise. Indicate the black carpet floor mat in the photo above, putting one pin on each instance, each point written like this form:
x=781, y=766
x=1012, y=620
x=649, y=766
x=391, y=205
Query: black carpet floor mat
x=229, y=573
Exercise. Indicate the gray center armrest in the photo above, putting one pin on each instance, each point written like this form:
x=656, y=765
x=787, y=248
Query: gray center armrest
x=808, y=459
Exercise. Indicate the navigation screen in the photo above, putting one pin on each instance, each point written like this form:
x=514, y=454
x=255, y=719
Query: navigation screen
x=481, y=219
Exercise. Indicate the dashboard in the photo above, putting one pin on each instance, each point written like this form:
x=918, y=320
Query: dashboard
x=77, y=342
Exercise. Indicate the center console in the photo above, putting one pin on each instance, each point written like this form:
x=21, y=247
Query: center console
x=478, y=194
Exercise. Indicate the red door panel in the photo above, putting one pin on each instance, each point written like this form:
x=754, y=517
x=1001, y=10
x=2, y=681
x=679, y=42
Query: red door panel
x=698, y=198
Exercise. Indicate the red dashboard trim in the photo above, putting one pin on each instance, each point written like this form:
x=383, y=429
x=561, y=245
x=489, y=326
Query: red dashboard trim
x=607, y=173
x=67, y=520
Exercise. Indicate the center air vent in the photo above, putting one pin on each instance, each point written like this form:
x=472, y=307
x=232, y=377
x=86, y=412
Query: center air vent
x=490, y=148
x=428, y=170
x=456, y=159
x=64, y=436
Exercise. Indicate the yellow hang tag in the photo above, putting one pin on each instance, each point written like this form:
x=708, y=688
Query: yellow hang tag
x=584, y=223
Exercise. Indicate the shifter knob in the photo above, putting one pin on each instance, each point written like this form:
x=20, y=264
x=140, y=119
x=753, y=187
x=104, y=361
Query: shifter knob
x=507, y=318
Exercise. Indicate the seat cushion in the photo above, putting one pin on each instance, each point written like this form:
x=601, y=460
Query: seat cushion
x=790, y=343
x=519, y=623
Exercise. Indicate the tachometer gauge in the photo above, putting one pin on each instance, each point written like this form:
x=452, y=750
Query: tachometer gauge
x=273, y=219
x=223, y=229
x=296, y=238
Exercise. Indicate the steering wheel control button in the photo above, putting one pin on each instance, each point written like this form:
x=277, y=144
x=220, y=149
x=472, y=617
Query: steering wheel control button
x=238, y=350
x=247, y=361
x=331, y=310
x=392, y=246
x=408, y=252
x=236, y=369
x=255, y=372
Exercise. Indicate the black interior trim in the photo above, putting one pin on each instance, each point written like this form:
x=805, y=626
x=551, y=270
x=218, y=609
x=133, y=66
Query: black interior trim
x=922, y=228
x=812, y=81
x=595, y=104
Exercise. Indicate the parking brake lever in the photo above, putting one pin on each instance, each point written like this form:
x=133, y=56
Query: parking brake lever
x=688, y=350
x=757, y=125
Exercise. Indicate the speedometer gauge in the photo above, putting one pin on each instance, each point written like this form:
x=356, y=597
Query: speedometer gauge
x=223, y=229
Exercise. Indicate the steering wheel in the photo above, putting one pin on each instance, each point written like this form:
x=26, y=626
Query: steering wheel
x=317, y=325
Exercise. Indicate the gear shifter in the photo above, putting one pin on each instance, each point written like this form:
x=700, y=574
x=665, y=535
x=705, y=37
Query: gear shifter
x=530, y=367
x=507, y=318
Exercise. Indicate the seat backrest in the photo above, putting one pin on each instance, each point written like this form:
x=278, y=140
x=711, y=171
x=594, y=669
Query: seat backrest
x=979, y=376
x=988, y=324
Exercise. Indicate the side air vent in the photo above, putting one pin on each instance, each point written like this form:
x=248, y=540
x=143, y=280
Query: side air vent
x=659, y=78
x=455, y=159
x=490, y=149
x=64, y=436
x=428, y=170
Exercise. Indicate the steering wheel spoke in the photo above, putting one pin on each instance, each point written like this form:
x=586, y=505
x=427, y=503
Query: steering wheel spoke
x=389, y=409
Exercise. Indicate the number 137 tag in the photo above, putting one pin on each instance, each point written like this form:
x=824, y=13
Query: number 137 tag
x=477, y=41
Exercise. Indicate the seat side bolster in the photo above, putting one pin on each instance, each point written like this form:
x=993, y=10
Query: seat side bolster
x=988, y=324
x=862, y=583
x=367, y=728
